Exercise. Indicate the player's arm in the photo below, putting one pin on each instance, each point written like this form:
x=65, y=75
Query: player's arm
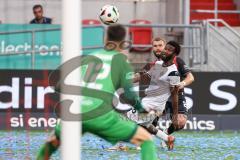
x=174, y=80
x=186, y=72
x=122, y=75
x=189, y=79
x=142, y=73
x=174, y=95
x=143, y=77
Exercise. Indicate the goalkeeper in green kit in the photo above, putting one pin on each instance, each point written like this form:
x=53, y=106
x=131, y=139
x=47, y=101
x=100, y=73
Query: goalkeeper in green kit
x=114, y=74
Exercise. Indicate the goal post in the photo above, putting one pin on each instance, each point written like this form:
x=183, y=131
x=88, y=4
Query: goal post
x=71, y=38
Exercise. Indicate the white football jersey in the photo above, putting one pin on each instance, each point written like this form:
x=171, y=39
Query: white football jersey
x=158, y=92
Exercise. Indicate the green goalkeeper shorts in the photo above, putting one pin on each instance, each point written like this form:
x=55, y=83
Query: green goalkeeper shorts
x=110, y=126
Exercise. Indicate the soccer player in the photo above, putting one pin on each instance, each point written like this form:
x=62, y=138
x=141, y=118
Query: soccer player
x=158, y=45
x=164, y=80
x=186, y=79
x=109, y=126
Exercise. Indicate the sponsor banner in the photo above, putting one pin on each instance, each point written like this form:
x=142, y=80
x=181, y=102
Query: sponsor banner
x=27, y=121
x=47, y=45
x=207, y=122
x=27, y=91
x=27, y=101
x=47, y=40
x=214, y=93
x=50, y=39
x=41, y=121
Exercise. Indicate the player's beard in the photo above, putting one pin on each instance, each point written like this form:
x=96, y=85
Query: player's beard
x=158, y=56
x=166, y=58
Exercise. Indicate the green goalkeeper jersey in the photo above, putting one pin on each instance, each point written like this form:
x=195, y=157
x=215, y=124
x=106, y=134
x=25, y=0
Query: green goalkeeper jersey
x=103, y=75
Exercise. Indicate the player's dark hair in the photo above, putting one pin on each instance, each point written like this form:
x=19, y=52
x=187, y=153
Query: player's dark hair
x=37, y=6
x=176, y=46
x=116, y=33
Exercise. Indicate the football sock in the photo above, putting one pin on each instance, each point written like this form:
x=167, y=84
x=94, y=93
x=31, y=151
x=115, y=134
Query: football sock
x=171, y=129
x=162, y=135
x=155, y=121
x=148, y=151
x=46, y=151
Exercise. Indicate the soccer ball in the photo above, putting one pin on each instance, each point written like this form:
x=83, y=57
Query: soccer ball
x=109, y=14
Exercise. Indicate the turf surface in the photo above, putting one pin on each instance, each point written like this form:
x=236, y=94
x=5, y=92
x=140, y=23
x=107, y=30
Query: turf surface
x=22, y=145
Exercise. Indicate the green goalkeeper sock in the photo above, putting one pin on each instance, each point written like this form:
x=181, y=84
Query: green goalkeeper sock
x=46, y=151
x=148, y=151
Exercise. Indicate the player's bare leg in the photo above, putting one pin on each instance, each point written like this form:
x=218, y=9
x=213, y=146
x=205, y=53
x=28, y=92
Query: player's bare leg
x=152, y=128
x=181, y=121
x=169, y=139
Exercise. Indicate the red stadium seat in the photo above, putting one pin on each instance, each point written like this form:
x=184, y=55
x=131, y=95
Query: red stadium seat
x=140, y=35
x=90, y=22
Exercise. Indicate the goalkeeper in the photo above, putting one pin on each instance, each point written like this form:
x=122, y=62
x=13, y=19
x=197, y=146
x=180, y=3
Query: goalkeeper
x=115, y=73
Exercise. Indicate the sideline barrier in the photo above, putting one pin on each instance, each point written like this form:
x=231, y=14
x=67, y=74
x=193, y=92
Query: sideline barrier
x=44, y=40
x=39, y=46
x=214, y=99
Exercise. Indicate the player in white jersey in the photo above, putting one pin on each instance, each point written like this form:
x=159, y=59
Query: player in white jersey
x=164, y=81
x=163, y=78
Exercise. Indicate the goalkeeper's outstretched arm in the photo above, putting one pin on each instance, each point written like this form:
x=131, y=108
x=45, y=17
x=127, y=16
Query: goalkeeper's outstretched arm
x=122, y=76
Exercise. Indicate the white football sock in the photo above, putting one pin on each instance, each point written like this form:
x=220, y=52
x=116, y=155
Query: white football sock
x=162, y=135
